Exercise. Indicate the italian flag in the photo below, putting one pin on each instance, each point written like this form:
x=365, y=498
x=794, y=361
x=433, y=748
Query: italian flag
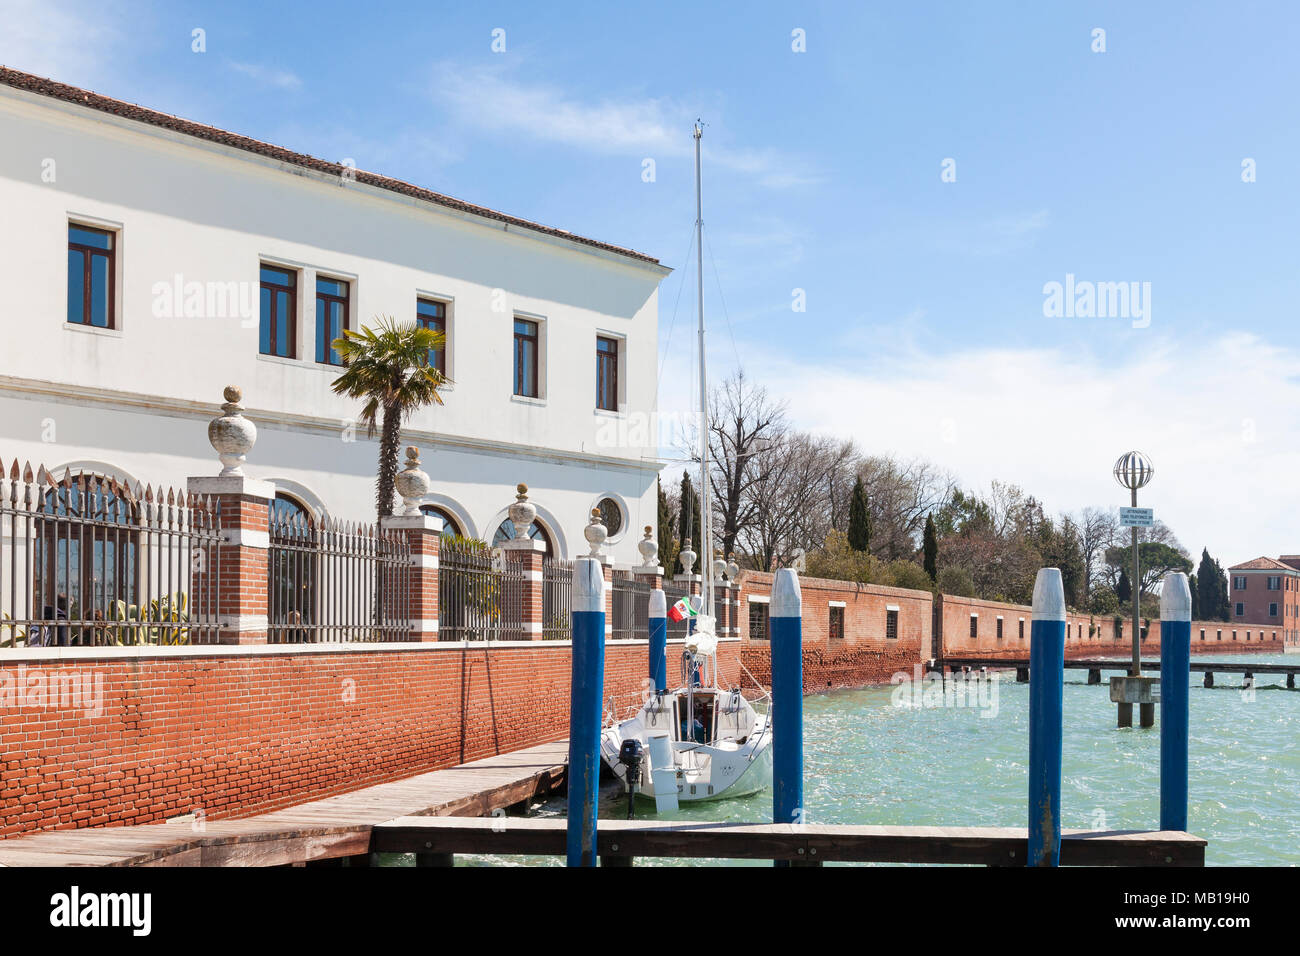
x=681, y=610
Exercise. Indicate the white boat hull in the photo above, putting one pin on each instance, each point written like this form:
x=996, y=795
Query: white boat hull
x=734, y=761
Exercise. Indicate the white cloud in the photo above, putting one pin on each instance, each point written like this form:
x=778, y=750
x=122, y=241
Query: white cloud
x=267, y=75
x=491, y=100
x=69, y=42
x=1217, y=418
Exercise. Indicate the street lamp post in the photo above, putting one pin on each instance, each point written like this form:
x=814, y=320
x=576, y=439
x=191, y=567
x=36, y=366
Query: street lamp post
x=1133, y=471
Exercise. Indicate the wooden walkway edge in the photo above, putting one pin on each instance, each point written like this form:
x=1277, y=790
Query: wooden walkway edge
x=331, y=827
x=621, y=840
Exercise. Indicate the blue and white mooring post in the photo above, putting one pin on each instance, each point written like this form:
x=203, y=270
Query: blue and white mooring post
x=1046, y=685
x=1175, y=677
x=658, y=641
x=786, y=619
x=586, y=696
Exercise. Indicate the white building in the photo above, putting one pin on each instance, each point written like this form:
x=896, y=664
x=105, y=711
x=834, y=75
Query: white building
x=145, y=259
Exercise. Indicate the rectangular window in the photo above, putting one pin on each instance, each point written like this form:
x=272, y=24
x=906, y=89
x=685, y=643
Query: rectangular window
x=1239, y=582
x=999, y=629
x=91, y=276
x=758, y=621
x=607, y=373
x=1241, y=609
x=1275, y=584
x=1202, y=633
x=837, y=624
x=432, y=314
x=974, y=626
x=1022, y=629
x=279, y=298
x=525, y=358
x=891, y=625
x=1272, y=610
x=331, y=318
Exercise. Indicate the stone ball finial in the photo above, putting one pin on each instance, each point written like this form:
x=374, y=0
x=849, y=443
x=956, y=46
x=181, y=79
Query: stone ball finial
x=733, y=569
x=595, y=533
x=719, y=566
x=522, y=512
x=411, y=482
x=649, y=550
x=231, y=435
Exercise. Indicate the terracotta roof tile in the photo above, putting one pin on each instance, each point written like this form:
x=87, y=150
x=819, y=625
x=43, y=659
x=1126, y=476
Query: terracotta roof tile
x=105, y=104
x=1261, y=564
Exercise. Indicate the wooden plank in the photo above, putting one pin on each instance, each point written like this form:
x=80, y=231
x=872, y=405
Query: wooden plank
x=804, y=843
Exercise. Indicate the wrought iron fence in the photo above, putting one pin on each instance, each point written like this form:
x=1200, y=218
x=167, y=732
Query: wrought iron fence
x=88, y=561
x=674, y=591
x=480, y=594
x=630, y=607
x=557, y=599
x=336, y=582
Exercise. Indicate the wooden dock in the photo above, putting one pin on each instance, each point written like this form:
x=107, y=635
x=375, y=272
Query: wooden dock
x=620, y=841
x=1094, y=667
x=333, y=827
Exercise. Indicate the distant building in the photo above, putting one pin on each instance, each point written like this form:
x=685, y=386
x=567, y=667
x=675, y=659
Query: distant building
x=1266, y=592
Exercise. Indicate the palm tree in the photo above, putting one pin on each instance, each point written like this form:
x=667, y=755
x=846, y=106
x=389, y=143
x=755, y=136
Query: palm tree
x=388, y=366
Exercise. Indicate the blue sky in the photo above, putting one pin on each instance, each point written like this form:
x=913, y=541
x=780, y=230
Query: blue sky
x=925, y=333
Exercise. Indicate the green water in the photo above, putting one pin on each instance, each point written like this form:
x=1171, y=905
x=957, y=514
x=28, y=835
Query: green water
x=870, y=761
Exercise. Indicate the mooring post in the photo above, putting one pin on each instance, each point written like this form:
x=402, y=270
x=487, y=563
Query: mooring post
x=1175, y=678
x=787, y=698
x=1047, y=663
x=585, y=707
x=658, y=641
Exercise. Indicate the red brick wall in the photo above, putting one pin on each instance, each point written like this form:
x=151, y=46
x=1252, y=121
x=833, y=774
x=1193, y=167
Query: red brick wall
x=1100, y=641
x=865, y=655
x=231, y=734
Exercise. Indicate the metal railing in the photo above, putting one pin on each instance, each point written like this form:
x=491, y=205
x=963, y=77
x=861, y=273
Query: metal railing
x=88, y=561
x=480, y=594
x=332, y=582
x=557, y=599
x=630, y=608
x=674, y=591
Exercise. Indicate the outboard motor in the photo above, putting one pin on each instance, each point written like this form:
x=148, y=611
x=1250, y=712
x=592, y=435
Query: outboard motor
x=630, y=755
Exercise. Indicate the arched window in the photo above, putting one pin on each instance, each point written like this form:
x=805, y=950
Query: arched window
x=86, y=552
x=292, y=572
x=506, y=532
x=450, y=523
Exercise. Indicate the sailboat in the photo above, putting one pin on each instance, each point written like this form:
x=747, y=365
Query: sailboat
x=700, y=741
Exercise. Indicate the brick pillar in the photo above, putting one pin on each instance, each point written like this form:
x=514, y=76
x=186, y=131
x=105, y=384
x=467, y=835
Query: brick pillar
x=529, y=555
x=653, y=576
x=244, y=516
x=423, y=534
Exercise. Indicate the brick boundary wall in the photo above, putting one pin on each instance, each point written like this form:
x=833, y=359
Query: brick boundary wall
x=229, y=734
x=865, y=656
x=1087, y=635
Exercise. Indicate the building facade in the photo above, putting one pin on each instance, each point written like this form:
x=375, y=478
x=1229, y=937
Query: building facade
x=1266, y=591
x=149, y=262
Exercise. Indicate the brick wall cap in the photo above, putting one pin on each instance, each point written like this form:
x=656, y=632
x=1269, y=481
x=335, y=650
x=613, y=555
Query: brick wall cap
x=231, y=485
x=420, y=522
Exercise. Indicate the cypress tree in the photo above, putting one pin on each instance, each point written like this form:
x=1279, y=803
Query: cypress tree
x=1224, y=603
x=1206, y=596
x=1194, y=585
x=689, y=523
x=667, y=544
x=1123, y=589
x=931, y=548
x=859, y=518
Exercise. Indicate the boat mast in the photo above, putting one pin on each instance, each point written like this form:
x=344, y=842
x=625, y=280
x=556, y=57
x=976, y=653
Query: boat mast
x=706, y=513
